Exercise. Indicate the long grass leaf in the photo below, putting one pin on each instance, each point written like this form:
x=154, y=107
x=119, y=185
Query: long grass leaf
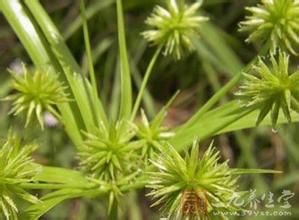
x=227, y=118
x=69, y=65
x=126, y=90
x=38, y=49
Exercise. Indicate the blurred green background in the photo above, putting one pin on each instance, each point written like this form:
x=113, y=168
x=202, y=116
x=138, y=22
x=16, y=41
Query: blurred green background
x=220, y=53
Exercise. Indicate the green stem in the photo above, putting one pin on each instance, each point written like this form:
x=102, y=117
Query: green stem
x=53, y=186
x=133, y=206
x=95, y=96
x=230, y=121
x=91, y=11
x=218, y=95
x=138, y=184
x=144, y=82
x=113, y=214
x=87, y=45
x=126, y=87
x=181, y=139
x=212, y=101
x=213, y=78
x=222, y=92
x=147, y=98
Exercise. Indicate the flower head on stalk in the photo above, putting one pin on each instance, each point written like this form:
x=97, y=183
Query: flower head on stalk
x=271, y=88
x=174, y=28
x=275, y=22
x=110, y=153
x=192, y=187
x=36, y=92
x=154, y=133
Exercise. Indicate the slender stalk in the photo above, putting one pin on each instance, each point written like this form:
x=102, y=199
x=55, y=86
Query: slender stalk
x=147, y=99
x=126, y=87
x=144, y=82
x=230, y=121
x=213, y=79
x=222, y=92
x=90, y=12
x=87, y=45
x=113, y=214
x=95, y=95
x=52, y=186
x=134, y=208
x=180, y=140
x=218, y=95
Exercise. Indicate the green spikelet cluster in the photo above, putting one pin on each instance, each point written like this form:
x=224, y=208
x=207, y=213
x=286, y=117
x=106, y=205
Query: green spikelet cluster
x=16, y=167
x=271, y=88
x=191, y=187
x=274, y=22
x=36, y=92
x=174, y=28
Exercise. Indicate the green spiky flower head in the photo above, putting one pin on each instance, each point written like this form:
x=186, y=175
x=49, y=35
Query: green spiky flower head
x=271, y=88
x=16, y=167
x=36, y=92
x=174, y=28
x=154, y=133
x=274, y=22
x=192, y=187
x=110, y=152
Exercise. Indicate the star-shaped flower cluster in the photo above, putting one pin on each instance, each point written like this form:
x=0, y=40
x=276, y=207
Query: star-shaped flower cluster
x=16, y=167
x=36, y=92
x=191, y=187
x=274, y=22
x=174, y=28
x=271, y=88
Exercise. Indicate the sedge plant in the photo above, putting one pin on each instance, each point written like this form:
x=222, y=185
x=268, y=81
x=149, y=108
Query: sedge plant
x=119, y=155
